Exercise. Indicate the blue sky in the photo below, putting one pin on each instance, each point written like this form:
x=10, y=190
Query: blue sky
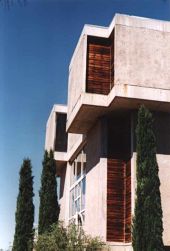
x=36, y=44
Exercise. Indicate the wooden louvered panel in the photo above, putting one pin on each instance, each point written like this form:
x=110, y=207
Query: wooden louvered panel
x=98, y=66
x=128, y=203
x=118, y=201
x=115, y=201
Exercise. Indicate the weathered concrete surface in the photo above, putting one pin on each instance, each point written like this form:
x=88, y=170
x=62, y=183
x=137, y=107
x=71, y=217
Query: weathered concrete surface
x=120, y=247
x=51, y=126
x=142, y=57
x=164, y=174
x=96, y=185
x=77, y=75
x=64, y=201
x=122, y=97
x=141, y=70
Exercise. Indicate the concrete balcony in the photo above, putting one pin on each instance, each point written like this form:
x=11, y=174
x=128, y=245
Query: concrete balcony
x=56, y=136
x=117, y=68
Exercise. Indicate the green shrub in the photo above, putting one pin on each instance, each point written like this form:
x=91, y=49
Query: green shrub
x=72, y=238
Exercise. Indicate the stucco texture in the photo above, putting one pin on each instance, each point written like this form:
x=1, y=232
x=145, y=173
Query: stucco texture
x=142, y=57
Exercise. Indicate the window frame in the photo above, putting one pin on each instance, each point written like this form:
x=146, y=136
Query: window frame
x=75, y=183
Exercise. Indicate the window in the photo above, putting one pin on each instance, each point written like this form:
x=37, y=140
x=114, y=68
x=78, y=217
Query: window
x=78, y=187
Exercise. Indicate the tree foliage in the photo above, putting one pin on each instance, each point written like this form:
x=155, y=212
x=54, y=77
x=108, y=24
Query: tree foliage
x=49, y=208
x=71, y=238
x=23, y=238
x=147, y=223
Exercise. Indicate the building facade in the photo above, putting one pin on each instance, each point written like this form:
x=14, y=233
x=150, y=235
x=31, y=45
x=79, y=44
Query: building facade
x=112, y=72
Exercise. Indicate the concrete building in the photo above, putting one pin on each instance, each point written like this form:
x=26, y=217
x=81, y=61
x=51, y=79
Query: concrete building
x=112, y=72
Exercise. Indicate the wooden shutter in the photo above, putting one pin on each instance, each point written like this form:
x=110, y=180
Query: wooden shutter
x=118, y=201
x=98, y=66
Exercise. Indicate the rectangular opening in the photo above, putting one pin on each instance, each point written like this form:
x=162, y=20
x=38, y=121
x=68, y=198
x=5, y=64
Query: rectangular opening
x=61, y=175
x=61, y=135
x=78, y=188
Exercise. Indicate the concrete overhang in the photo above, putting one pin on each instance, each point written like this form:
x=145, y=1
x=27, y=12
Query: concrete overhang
x=51, y=125
x=61, y=161
x=120, y=19
x=56, y=109
x=121, y=98
x=87, y=108
x=60, y=157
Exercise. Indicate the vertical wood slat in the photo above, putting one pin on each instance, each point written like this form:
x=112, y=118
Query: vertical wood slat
x=128, y=203
x=100, y=64
x=98, y=68
x=115, y=201
x=118, y=201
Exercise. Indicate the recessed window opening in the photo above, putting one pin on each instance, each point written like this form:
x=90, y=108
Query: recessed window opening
x=78, y=188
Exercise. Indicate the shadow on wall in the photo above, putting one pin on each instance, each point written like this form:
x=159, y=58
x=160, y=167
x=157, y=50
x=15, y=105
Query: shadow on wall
x=109, y=138
x=161, y=130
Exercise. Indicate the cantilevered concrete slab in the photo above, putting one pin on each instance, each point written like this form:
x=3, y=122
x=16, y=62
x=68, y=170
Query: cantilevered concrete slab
x=74, y=140
x=141, y=71
x=90, y=107
x=60, y=157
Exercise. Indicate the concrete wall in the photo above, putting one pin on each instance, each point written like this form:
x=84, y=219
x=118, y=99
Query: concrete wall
x=77, y=74
x=142, y=55
x=96, y=195
x=51, y=125
x=162, y=131
x=120, y=247
x=64, y=201
x=50, y=131
x=73, y=139
x=164, y=174
x=96, y=185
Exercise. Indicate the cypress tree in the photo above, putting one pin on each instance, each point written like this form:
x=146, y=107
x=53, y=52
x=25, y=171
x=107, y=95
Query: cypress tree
x=24, y=216
x=49, y=208
x=147, y=223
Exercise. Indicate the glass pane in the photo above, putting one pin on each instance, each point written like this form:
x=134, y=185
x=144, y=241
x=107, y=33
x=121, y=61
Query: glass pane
x=84, y=167
x=73, y=199
x=73, y=173
x=78, y=189
x=78, y=208
x=70, y=206
x=76, y=192
x=84, y=162
x=83, y=191
x=72, y=202
x=78, y=170
x=77, y=203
